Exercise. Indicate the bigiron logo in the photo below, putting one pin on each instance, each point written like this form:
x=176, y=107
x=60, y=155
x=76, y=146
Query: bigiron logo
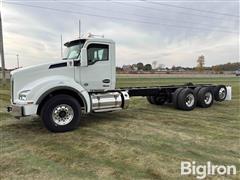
x=208, y=169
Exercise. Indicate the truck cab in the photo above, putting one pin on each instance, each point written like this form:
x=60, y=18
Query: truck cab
x=94, y=61
x=83, y=77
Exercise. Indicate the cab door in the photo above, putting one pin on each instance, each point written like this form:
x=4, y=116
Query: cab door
x=96, y=76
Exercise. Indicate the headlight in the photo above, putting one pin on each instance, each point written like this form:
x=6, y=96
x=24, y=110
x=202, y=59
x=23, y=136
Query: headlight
x=23, y=95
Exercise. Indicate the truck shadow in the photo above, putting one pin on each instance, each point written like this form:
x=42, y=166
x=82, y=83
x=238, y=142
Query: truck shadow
x=103, y=117
x=35, y=125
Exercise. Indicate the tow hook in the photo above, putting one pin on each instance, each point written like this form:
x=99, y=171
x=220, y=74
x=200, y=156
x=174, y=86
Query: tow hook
x=9, y=109
x=12, y=110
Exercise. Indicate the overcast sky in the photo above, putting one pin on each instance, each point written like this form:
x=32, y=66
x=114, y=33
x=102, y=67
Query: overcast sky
x=171, y=33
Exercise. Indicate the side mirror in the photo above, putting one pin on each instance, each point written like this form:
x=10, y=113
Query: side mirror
x=83, y=56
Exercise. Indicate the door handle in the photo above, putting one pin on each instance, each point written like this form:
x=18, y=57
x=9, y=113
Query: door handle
x=106, y=81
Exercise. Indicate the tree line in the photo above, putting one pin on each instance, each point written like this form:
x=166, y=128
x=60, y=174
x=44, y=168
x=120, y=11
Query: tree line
x=199, y=67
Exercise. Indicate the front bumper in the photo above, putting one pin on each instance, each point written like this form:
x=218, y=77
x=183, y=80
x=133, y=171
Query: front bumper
x=22, y=108
x=17, y=111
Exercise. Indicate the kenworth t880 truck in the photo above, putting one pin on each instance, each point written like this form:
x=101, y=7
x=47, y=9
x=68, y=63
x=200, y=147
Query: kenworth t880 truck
x=84, y=82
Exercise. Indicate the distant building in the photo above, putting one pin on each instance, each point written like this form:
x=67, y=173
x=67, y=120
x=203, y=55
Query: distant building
x=162, y=70
x=134, y=67
x=127, y=68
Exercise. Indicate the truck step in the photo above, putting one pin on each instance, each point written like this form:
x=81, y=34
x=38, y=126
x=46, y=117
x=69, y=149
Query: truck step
x=107, y=110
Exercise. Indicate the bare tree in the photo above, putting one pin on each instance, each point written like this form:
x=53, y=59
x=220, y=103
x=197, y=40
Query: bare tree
x=154, y=64
x=200, y=63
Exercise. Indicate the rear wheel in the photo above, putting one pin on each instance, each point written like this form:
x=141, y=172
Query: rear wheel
x=186, y=100
x=61, y=113
x=220, y=93
x=196, y=90
x=175, y=97
x=159, y=100
x=156, y=100
x=205, y=97
x=150, y=100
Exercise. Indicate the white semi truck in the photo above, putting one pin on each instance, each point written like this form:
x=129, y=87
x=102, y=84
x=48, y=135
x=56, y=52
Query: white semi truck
x=84, y=82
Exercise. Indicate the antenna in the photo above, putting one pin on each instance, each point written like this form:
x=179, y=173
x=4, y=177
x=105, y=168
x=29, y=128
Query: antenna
x=17, y=60
x=61, y=48
x=79, y=28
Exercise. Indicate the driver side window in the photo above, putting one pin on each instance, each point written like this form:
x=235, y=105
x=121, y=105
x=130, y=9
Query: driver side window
x=97, y=52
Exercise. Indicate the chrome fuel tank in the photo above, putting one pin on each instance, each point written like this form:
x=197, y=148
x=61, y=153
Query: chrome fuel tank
x=109, y=101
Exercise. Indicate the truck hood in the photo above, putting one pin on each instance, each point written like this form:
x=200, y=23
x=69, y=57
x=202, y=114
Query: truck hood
x=39, y=68
x=21, y=78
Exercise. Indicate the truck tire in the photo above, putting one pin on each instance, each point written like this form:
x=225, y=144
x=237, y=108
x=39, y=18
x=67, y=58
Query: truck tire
x=175, y=97
x=196, y=91
x=220, y=93
x=156, y=100
x=205, y=97
x=61, y=113
x=150, y=99
x=186, y=100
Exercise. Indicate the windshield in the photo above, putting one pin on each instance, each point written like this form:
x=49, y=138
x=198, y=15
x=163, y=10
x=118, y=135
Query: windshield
x=73, y=49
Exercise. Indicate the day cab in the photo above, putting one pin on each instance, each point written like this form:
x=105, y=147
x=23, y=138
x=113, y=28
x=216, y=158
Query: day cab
x=85, y=82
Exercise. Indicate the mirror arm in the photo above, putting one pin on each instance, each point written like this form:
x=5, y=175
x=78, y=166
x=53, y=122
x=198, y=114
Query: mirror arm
x=76, y=63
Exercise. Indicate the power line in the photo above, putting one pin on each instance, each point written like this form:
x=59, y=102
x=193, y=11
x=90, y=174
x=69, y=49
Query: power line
x=116, y=18
x=145, y=16
x=157, y=9
x=29, y=56
x=2, y=51
x=193, y=9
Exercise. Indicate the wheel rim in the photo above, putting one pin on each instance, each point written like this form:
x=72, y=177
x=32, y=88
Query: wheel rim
x=189, y=100
x=222, y=93
x=208, y=98
x=62, y=114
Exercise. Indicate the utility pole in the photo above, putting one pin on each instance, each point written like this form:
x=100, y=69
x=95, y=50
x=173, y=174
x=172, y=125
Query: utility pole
x=17, y=61
x=2, y=50
x=61, y=48
x=79, y=28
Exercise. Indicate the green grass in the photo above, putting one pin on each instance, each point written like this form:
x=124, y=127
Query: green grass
x=142, y=142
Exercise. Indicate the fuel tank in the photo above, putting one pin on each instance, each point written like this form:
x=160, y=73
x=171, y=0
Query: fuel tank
x=109, y=101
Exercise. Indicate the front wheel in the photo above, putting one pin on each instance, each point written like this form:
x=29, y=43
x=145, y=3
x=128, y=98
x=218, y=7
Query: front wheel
x=61, y=113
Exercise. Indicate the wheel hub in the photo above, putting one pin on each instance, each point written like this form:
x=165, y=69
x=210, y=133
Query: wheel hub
x=222, y=93
x=208, y=98
x=62, y=114
x=189, y=100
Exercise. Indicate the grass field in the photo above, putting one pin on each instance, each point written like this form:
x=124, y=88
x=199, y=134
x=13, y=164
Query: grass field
x=142, y=142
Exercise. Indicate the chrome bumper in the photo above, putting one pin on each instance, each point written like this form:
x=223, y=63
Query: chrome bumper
x=17, y=111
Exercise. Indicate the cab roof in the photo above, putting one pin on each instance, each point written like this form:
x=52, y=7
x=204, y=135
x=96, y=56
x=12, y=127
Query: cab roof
x=89, y=39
